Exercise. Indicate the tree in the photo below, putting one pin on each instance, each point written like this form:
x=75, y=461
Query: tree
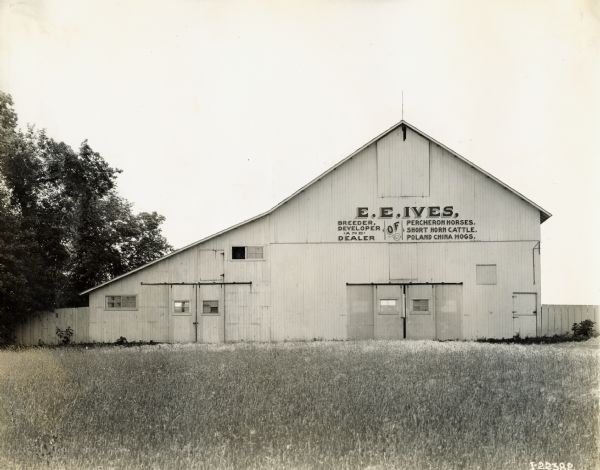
x=63, y=226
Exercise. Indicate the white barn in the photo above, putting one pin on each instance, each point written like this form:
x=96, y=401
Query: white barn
x=402, y=239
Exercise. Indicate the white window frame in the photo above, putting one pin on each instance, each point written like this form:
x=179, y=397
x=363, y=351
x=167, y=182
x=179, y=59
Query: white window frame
x=246, y=258
x=420, y=312
x=383, y=309
x=106, y=307
x=182, y=312
x=218, y=312
x=255, y=248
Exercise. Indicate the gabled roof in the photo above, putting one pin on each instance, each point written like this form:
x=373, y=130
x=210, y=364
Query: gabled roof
x=544, y=214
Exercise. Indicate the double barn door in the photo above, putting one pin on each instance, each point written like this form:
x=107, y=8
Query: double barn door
x=197, y=312
x=404, y=311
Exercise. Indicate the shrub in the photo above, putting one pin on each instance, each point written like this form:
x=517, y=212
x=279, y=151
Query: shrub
x=584, y=329
x=64, y=335
x=121, y=341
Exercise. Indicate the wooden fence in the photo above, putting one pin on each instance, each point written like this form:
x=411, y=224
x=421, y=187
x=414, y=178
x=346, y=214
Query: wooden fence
x=41, y=329
x=558, y=319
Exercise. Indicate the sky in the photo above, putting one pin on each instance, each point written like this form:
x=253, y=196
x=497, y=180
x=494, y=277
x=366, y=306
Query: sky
x=216, y=111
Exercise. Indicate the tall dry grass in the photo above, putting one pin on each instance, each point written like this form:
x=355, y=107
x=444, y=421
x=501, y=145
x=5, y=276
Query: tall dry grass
x=315, y=405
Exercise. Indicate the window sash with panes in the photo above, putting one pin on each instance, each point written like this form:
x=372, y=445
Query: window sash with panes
x=210, y=307
x=121, y=302
x=420, y=306
x=247, y=252
x=181, y=306
x=388, y=306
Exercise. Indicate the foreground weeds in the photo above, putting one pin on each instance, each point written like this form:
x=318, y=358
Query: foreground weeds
x=315, y=405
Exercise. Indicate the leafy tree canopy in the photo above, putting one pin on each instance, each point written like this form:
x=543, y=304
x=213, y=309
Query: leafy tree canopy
x=63, y=226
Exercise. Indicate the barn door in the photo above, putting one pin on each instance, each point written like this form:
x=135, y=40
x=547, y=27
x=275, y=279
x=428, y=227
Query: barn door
x=448, y=311
x=389, y=312
x=211, y=311
x=420, y=312
x=243, y=316
x=182, y=305
x=211, y=301
x=359, y=318
x=525, y=314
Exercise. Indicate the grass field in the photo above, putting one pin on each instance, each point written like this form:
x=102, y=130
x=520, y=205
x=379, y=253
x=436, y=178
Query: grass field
x=412, y=404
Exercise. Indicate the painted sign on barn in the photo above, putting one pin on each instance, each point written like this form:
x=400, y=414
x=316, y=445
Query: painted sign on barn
x=408, y=224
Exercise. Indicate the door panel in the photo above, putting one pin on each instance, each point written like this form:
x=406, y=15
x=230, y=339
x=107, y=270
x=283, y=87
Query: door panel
x=389, y=312
x=420, y=312
x=210, y=315
x=240, y=318
x=211, y=265
x=182, y=327
x=360, y=324
x=448, y=312
x=525, y=314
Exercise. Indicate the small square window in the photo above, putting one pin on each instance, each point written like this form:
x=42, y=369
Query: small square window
x=210, y=306
x=238, y=252
x=388, y=306
x=485, y=274
x=420, y=306
x=181, y=306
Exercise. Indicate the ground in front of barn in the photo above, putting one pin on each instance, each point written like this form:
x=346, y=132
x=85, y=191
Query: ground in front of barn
x=377, y=404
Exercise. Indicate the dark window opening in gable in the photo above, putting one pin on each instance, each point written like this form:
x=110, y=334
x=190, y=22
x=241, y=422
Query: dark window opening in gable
x=238, y=252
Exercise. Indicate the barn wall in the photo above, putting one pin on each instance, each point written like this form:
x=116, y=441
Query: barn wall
x=298, y=290
x=309, y=301
x=313, y=215
x=247, y=313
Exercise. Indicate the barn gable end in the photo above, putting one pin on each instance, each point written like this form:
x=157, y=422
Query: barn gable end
x=403, y=217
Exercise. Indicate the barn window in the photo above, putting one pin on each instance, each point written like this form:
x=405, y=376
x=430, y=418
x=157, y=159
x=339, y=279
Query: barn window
x=388, y=306
x=420, y=306
x=247, y=252
x=181, y=306
x=254, y=252
x=120, y=302
x=485, y=274
x=210, y=306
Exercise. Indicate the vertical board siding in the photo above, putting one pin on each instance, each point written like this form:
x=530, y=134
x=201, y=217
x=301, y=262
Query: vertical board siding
x=558, y=319
x=388, y=322
x=402, y=165
x=41, y=329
